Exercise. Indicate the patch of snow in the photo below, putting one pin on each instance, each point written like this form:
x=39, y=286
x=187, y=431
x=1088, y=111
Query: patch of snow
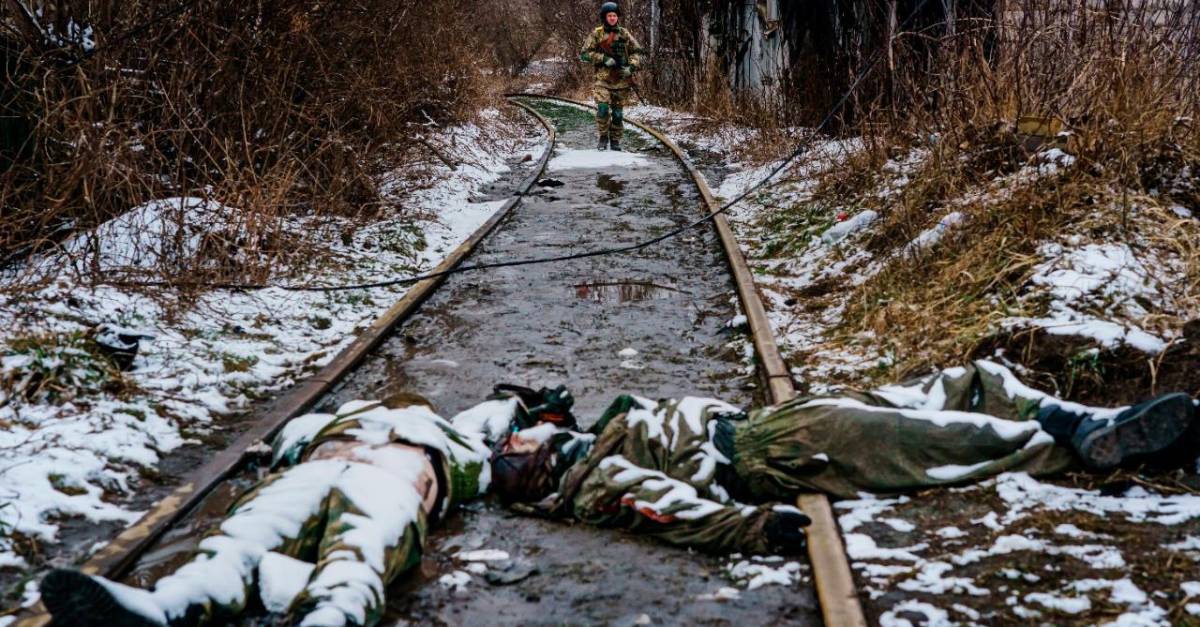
x=456, y=581
x=482, y=555
x=1052, y=161
x=932, y=578
x=1107, y=278
x=489, y=420
x=83, y=459
x=757, y=574
x=864, y=509
x=903, y=526
x=1191, y=543
x=1069, y=605
x=1075, y=532
x=595, y=159
x=930, y=616
x=722, y=594
x=280, y=580
x=860, y=546
x=954, y=473
x=31, y=594
x=1023, y=494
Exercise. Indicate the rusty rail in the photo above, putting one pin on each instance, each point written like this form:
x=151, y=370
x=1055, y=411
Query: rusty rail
x=831, y=568
x=119, y=555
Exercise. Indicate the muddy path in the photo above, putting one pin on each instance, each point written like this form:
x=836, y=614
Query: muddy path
x=578, y=323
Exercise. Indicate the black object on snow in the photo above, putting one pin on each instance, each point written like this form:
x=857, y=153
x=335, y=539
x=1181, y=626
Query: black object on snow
x=548, y=182
x=119, y=344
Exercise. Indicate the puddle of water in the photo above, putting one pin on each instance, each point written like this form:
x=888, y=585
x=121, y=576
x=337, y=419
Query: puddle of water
x=610, y=184
x=625, y=291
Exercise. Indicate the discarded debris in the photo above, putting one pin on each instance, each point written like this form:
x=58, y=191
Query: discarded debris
x=508, y=572
x=119, y=344
x=550, y=182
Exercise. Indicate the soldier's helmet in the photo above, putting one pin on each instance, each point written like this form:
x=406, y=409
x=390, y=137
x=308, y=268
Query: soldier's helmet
x=609, y=7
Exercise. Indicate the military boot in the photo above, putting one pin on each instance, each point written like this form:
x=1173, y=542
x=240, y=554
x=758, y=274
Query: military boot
x=614, y=144
x=1161, y=432
x=78, y=600
x=602, y=144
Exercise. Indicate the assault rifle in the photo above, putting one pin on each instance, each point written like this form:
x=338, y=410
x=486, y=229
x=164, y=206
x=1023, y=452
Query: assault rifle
x=620, y=52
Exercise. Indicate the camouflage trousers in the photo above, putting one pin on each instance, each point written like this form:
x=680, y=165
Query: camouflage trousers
x=963, y=425
x=610, y=111
x=320, y=541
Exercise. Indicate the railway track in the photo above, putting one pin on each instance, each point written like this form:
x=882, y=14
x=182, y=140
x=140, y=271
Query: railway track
x=834, y=585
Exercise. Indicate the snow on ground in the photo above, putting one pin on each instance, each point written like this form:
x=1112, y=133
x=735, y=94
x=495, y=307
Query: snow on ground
x=1096, y=290
x=569, y=159
x=947, y=563
x=1116, y=293
x=81, y=453
x=996, y=557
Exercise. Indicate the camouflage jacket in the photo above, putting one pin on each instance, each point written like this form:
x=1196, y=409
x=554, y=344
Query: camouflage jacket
x=460, y=460
x=602, y=44
x=652, y=468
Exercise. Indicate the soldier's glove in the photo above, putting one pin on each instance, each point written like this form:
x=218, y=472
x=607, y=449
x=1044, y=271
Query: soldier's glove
x=785, y=531
x=626, y=72
x=610, y=62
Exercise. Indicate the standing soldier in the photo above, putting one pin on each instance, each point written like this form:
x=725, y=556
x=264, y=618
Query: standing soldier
x=616, y=55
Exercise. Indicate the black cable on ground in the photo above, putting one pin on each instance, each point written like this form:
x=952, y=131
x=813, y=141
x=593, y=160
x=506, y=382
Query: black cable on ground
x=795, y=154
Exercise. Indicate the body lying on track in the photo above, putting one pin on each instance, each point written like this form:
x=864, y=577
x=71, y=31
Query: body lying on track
x=347, y=508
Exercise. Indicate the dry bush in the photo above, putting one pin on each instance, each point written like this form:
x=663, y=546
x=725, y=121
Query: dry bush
x=278, y=109
x=1122, y=78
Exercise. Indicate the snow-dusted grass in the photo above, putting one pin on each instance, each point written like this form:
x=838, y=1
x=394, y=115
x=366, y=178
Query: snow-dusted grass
x=811, y=262
x=213, y=356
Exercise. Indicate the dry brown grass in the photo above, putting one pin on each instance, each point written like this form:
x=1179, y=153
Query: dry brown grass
x=1122, y=77
x=278, y=109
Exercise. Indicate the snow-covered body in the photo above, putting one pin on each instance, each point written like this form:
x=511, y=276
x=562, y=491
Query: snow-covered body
x=345, y=512
x=682, y=470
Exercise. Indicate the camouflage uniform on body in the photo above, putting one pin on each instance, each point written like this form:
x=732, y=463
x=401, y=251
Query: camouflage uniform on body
x=353, y=525
x=680, y=470
x=611, y=90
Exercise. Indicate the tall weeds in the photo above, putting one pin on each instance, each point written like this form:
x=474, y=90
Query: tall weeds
x=277, y=109
x=1121, y=77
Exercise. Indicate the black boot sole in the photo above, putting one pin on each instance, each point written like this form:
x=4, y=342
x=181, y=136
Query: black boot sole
x=1154, y=428
x=75, y=599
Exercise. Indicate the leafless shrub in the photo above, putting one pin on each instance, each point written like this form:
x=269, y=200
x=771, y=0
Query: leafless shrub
x=278, y=109
x=1121, y=79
